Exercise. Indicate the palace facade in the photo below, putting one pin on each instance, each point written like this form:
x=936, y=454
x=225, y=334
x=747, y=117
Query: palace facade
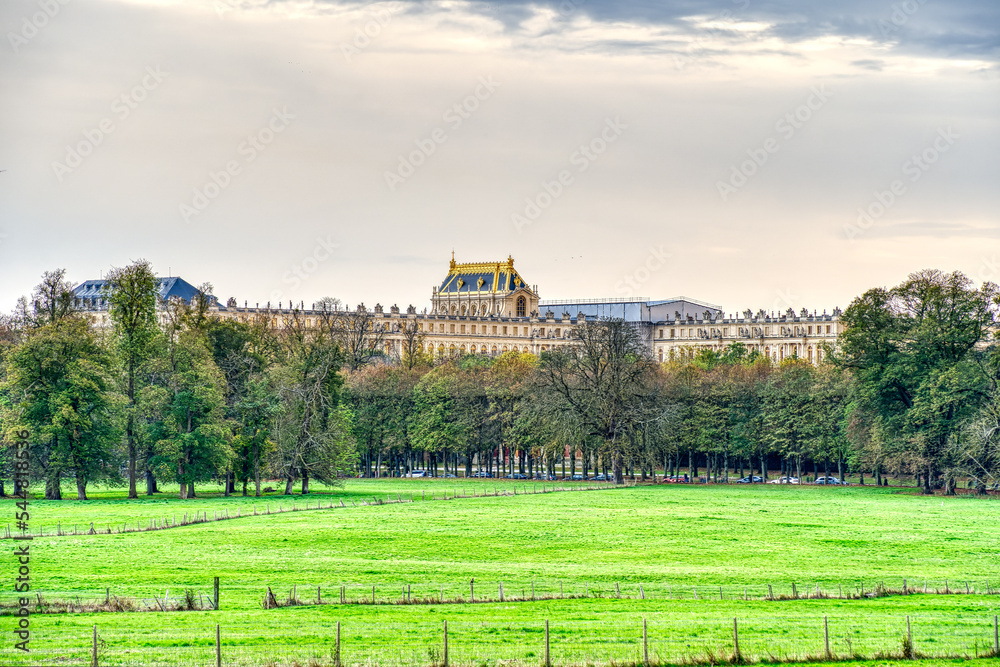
x=488, y=308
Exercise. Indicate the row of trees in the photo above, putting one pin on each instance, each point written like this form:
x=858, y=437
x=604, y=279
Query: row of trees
x=912, y=389
x=169, y=393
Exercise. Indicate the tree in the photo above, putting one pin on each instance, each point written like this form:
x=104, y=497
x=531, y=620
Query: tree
x=132, y=293
x=192, y=444
x=312, y=433
x=604, y=381
x=52, y=299
x=360, y=335
x=913, y=353
x=60, y=376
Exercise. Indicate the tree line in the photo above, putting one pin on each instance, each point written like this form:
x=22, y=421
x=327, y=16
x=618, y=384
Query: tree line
x=169, y=393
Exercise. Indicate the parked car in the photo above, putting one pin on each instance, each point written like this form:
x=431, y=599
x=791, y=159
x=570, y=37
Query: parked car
x=575, y=478
x=828, y=480
x=784, y=480
x=600, y=477
x=676, y=479
x=482, y=473
x=750, y=480
x=515, y=475
x=545, y=477
x=449, y=475
x=418, y=473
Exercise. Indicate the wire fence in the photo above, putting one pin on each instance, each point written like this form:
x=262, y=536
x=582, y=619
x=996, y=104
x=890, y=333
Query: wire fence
x=176, y=598
x=638, y=641
x=280, y=506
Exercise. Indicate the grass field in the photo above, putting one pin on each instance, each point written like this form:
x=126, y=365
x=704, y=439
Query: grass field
x=674, y=541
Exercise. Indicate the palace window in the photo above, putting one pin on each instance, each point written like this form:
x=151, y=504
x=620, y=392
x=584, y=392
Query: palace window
x=494, y=330
x=463, y=328
x=441, y=328
x=810, y=330
x=505, y=332
x=661, y=336
x=452, y=328
x=525, y=331
x=541, y=331
x=522, y=306
x=558, y=332
x=828, y=328
x=672, y=332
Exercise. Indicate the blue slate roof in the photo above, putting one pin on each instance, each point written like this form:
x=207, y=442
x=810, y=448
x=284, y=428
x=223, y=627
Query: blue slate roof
x=500, y=277
x=167, y=288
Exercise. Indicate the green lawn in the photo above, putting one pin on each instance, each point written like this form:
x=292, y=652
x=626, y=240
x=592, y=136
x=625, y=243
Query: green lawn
x=674, y=541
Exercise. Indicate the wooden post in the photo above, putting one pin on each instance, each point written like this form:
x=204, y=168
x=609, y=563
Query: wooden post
x=720, y=592
x=94, y=653
x=336, y=648
x=218, y=646
x=107, y=594
x=618, y=592
x=770, y=592
x=642, y=593
x=548, y=661
x=373, y=594
x=645, y=644
x=319, y=595
x=996, y=637
x=826, y=636
x=795, y=593
x=736, y=643
x=446, y=644
x=472, y=590
x=501, y=592
x=215, y=595
x=532, y=589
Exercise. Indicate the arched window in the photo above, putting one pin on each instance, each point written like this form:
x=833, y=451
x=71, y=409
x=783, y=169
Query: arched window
x=522, y=306
x=463, y=311
x=473, y=311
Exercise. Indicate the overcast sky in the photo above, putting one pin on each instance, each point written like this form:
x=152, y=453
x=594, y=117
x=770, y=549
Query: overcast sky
x=288, y=150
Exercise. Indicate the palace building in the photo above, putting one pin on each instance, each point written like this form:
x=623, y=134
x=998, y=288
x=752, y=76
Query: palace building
x=488, y=308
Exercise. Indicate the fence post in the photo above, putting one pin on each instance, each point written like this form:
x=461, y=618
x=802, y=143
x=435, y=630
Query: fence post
x=736, y=643
x=446, y=644
x=826, y=636
x=996, y=637
x=909, y=638
x=645, y=644
x=472, y=590
x=215, y=595
x=218, y=646
x=373, y=594
x=336, y=648
x=548, y=661
x=94, y=654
